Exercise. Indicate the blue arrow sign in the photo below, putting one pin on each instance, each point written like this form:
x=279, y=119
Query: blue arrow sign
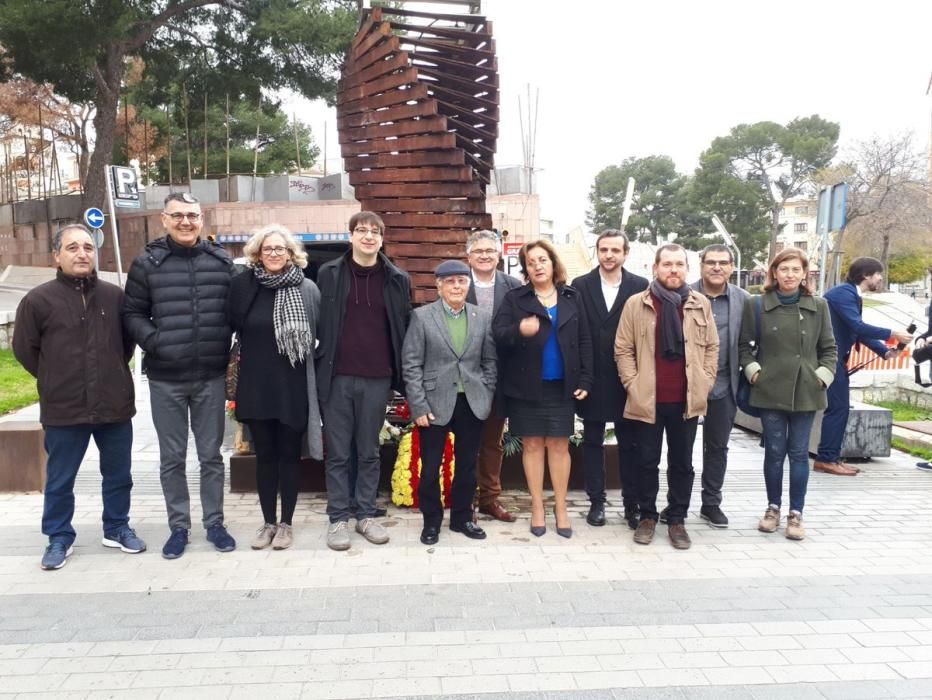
x=94, y=217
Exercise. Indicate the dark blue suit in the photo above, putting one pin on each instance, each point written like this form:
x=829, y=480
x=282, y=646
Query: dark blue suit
x=844, y=304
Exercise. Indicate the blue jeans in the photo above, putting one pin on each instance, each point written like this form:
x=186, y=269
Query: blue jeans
x=786, y=433
x=66, y=446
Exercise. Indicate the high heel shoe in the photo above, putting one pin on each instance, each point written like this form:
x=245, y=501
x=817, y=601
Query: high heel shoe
x=538, y=530
x=566, y=532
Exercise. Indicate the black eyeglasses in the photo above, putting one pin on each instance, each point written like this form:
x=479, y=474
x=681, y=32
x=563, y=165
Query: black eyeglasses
x=179, y=216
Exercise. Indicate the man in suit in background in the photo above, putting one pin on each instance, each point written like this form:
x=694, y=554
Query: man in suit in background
x=604, y=292
x=844, y=303
x=486, y=291
x=448, y=363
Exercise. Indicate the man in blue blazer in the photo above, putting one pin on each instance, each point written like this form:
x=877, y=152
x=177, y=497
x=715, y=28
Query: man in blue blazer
x=845, y=304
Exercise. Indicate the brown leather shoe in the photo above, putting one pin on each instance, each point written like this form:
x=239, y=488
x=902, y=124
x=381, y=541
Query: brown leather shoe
x=857, y=470
x=833, y=468
x=679, y=538
x=645, y=532
x=497, y=511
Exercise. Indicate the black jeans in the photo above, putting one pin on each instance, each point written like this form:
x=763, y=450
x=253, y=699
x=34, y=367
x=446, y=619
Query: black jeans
x=278, y=455
x=681, y=434
x=716, y=429
x=594, y=460
x=466, y=429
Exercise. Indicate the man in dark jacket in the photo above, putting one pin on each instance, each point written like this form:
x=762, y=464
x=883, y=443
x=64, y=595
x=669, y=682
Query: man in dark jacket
x=727, y=302
x=603, y=292
x=487, y=290
x=68, y=336
x=365, y=305
x=844, y=304
x=175, y=310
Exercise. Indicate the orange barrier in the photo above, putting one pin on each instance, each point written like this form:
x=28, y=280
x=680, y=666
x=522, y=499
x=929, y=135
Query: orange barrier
x=875, y=363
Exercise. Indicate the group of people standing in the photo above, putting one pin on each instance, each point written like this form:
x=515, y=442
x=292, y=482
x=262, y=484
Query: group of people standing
x=318, y=363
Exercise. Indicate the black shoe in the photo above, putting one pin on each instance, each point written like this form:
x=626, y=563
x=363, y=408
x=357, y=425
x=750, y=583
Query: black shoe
x=632, y=517
x=218, y=536
x=596, y=516
x=714, y=516
x=430, y=534
x=470, y=529
x=663, y=515
x=176, y=543
x=380, y=512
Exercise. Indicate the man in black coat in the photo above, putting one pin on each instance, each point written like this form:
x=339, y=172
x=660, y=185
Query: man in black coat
x=175, y=309
x=68, y=336
x=487, y=290
x=365, y=307
x=604, y=292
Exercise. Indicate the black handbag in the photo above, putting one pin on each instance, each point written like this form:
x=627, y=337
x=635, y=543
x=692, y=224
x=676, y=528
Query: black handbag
x=743, y=397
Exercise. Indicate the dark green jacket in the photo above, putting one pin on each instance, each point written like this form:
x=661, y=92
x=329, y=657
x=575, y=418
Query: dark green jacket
x=797, y=353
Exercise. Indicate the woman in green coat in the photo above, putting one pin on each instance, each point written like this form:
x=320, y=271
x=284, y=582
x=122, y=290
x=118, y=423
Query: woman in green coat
x=789, y=367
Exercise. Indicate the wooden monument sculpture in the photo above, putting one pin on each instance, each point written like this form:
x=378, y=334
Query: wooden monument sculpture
x=417, y=114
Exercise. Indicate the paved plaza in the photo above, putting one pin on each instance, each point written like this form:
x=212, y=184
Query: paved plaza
x=845, y=614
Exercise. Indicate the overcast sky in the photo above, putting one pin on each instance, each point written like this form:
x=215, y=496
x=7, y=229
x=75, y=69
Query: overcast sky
x=620, y=79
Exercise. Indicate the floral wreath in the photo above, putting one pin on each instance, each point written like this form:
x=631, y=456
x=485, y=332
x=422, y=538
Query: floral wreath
x=406, y=476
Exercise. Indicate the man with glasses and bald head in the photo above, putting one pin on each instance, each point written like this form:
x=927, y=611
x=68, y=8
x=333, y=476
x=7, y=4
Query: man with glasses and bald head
x=175, y=309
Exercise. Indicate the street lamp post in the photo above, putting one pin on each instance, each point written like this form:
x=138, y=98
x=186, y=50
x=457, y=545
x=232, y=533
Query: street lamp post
x=723, y=232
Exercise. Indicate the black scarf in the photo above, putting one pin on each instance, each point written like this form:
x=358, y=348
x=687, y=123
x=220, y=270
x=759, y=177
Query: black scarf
x=671, y=325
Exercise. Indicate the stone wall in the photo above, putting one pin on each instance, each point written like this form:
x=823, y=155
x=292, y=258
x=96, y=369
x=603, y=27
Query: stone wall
x=6, y=329
x=893, y=387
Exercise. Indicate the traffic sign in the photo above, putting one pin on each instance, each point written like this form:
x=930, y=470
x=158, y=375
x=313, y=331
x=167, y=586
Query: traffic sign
x=94, y=217
x=125, y=187
x=98, y=237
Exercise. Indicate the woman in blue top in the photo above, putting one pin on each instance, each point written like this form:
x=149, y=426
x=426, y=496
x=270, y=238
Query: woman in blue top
x=545, y=357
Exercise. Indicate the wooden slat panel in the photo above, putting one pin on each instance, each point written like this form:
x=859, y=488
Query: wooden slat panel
x=474, y=20
x=464, y=38
x=370, y=89
x=454, y=67
x=413, y=250
x=378, y=51
x=414, y=159
x=440, y=189
x=424, y=295
x=376, y=70
x=460, y=174
x=427, y=235
x=386, y=99
x=449, y=50
x=463, y=99
x=405, y=127
x=466, y=85
x=428, y=205
x=438, y=220
x=426, y=108
x=364, y=31
x=406, y=143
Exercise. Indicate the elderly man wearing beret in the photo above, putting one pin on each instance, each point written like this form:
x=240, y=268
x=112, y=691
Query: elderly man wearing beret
x=448, y=364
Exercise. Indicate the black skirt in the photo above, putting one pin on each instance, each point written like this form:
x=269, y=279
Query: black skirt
x=551, y=416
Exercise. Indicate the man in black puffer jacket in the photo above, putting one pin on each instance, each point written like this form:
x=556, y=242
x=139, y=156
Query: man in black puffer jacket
x=175, y=310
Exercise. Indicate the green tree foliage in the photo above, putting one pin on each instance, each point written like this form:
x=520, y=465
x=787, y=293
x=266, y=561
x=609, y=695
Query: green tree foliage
x=276, y=143
x=654, y=211
x=909, y=267
x=83, y=49
x=779, y=160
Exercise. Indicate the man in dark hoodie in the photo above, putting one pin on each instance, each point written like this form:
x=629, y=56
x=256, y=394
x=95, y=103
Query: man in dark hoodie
x=364, y=311
x=175, y=310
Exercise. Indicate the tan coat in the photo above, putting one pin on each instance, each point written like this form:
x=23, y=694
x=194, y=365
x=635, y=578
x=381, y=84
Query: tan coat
x=635, y=356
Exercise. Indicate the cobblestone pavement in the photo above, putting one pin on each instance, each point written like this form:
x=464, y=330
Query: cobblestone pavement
x=845, y=614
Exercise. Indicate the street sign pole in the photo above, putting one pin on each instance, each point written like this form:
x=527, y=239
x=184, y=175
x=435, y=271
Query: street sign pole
x=629, y=198
x=720, y=227
x=114, y=227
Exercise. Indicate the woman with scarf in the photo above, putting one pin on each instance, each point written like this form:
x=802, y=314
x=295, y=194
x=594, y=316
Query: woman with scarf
x=273, y=309
x=788, y=353
x=545, y=357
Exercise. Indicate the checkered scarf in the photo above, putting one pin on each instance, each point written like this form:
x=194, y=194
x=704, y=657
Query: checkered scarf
x=289, y=317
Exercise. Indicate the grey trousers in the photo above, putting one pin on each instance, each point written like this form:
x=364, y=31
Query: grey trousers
x=716, y=430
x=353, y=415
x=171, y=404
